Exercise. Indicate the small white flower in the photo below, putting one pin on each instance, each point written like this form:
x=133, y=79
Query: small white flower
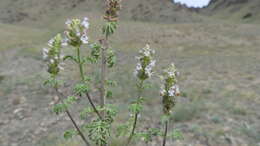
x=56, y=57
x=50, y=42
x=68, y=22
x=60, y=67
x=45, y=52
x=163, y=91
x=85, y=23
x=51, y=61
x=84, y=39
x=65, y=42
x=152, y=64
x=146, y=53
x=138, y=66
x=171, y=92
x=171, y=74
x=78, y=34
x=149, y=74
x=148, y=69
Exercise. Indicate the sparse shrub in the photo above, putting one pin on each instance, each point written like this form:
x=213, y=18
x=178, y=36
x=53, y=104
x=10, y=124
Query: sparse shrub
x=250, y=131
x=216, y=119
x=206, y=91
x=184, y=94
x=2, y=78
x=186, y=112
x=238, y=110
x=98, y=129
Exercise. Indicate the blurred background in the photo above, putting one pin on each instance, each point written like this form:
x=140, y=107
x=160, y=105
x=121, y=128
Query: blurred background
x=214, y=44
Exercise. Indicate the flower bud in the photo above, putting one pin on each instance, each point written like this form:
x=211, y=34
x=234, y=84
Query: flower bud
x=52, y=55
x=112, y=10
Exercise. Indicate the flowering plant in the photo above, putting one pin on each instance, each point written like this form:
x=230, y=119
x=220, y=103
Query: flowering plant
x=98, y=118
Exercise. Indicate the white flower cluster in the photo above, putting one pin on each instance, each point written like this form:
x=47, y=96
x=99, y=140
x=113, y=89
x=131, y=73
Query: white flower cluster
x=52, y=55
x=170, y=88
x=172, y=91
x=146, y=63
x=76, y=33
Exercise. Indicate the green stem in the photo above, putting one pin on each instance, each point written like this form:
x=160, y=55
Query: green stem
x=103, y=80
x=80, y=64
x=81, y=69
x=103, y=77
x=165, y=133
x=61, y=96
x=140, y=90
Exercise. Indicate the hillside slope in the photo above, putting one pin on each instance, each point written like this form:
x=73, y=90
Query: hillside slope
x=237, y=10
x=13, y=11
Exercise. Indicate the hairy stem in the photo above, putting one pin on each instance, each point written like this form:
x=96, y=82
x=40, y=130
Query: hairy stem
x=81, y=69
x=103, y=76
x=93, y=106
x=165, y=133
x=61, y=96
x=140, y=90
x=105, y=44
x=103, y=80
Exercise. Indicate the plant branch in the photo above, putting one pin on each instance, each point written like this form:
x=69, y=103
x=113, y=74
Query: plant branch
x=103, y=74
x=93, y=106
x=61, y=96
x=165, y=133
x=104, y=42
x=140, y=89
x=83, y=79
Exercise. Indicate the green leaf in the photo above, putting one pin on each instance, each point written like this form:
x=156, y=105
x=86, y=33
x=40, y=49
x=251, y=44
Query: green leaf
x=111, y=60
x=98, y=131
x=59, y=108
x=95, y=51
x=109, y=94
x=111, y=83
x=81, y=88
x=122, y=130
x=147, y=86
x=176, y=135
x=85, y=112
x=87, y=79
x=73, y=58
x=109, y=28
x=52, y=82
x=69, y=134
x=111, y=110
x=135, y=107
x=90, y=60
x=70, y=100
